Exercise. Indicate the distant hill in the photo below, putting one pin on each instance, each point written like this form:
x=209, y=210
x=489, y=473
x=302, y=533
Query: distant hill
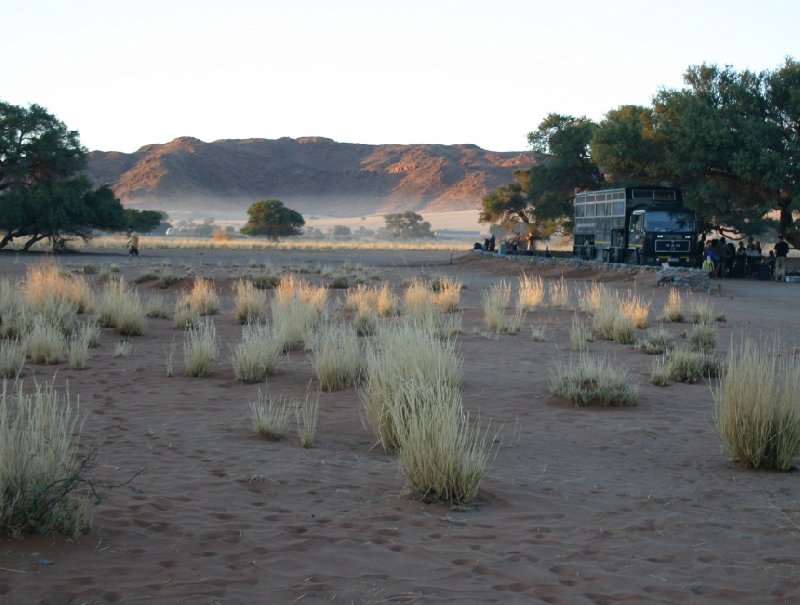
x=311, y=175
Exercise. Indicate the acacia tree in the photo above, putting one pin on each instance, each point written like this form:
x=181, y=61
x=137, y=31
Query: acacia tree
x=42, y=193
x=542, y=196
x=273, y=219
x=404, y=225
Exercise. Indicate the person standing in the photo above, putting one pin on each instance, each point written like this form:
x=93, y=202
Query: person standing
x=781, y=250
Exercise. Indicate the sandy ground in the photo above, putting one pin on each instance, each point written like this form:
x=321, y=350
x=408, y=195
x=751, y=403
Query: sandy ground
x=636, y=505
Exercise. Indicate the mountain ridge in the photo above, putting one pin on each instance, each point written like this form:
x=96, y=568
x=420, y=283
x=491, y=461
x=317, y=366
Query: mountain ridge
x=309, y=174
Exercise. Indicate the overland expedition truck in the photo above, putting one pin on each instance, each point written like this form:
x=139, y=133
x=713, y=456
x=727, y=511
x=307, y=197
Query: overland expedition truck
x=635, y=225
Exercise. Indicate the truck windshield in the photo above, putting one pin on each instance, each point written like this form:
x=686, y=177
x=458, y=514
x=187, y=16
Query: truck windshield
x=668, y=220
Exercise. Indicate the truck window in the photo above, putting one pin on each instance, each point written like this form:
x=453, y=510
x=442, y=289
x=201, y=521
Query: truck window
x=668, y=220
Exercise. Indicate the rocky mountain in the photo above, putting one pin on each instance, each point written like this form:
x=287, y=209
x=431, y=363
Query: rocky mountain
x=311, y=175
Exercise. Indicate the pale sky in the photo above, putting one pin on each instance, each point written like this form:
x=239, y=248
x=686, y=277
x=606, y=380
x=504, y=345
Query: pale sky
x=127, y=73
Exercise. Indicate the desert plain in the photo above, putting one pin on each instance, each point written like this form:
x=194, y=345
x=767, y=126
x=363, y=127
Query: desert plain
x=578, y=505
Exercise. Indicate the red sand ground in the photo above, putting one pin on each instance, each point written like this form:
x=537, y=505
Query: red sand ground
x=637, y=505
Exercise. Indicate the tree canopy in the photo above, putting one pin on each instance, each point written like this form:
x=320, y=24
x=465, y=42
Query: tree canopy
x=406, y=225
x=42, y=193
x=730, y=140
x=273, y=219
x=143, y=221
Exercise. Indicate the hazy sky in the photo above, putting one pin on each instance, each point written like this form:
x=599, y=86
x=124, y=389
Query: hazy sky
x=126, y=73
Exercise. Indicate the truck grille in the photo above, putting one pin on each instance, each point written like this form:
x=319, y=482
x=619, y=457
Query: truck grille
x=672, y=245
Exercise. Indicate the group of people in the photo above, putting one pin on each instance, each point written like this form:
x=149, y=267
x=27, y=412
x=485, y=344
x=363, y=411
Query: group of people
x=722, y=258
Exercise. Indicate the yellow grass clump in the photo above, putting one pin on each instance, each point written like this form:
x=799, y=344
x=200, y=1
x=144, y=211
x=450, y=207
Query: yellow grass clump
x=121, y=307
x=657, y=342
x=579, y=334
x=448, y=293
x=757, y=406
x=271, y=415
x=703, y=337
x=12, y=357
x=673, y=309
x=46, y=282
x=306, y=415
x=531, y=292
x=46, y=342
x=202, y=298
x=635, y=309
x=372, y=300
x=418, y=299
x=558, y=293
x=685, y=365
x=249, y=302
x=591, y=296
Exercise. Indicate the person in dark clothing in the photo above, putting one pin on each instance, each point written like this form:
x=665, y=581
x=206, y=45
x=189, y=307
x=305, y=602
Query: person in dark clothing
x=781, y=250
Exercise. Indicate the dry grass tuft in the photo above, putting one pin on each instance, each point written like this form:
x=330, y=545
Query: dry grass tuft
x=758, y=406
x=558, y=294
x=12, y=358
x=496, y=302
x=684, y=365
x=258, y=354
x=45, y=342
x=202, y=298
x=306, y=416
x=658, y=341
x=249, y=302
x=592, y=380
x=200, y=348
x=531, y=292
x=703, y=337
x=336, y=357
x=673, y=309
x=272, y=415
x=579, y=334
x=46, y=282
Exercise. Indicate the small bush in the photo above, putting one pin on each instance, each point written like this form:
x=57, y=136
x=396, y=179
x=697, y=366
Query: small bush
x=167, y=280
x=200, y=348
x=271, y=415
x=592, y=380
x=758, y=406
x=265, y=281
x=339, y=282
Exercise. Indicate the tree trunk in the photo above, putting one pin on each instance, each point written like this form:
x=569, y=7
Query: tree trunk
x=32, y=241
x=7, y=238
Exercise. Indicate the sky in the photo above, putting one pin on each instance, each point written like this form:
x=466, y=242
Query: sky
x=127, y=73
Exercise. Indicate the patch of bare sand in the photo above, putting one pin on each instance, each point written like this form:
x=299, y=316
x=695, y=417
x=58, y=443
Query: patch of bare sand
x=580, y=505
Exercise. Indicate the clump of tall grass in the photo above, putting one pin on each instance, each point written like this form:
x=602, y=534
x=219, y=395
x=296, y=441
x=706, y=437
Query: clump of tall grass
x=272, y=415
x=496, y=301
x=294, y=321
x=684, y=365
x=659, y=371
x=702, y=311
x=258, y=354
x=579, y=334
x=591, y=296
x=39, y=463
x=123, y=347
x=121, y=307
x=78, y=350
x=703, y=337
x=200, y=348
x=448, y=293
x=306, y=415
x=402, y=352
x=336, y=357
x=376, y=300
x=673, y=308
x=12, y=358
x=248, y=301
x=418, y=299
x=440, y=454
x=658, y=341
x=594, y=380
x=46, y=342
x=538, y=332
x=45, y=283
x=202, y=298
x=636, y=310
x=185, y=315
x=558, y=294
x=531, y=292
x=293, y=288
x=16, y=316
x=156, y=307
x=623, y=330
x=605, y=316
x=757, y=406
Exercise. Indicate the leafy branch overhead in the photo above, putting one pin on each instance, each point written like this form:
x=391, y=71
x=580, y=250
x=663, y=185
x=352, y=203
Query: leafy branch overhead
x=730, y=140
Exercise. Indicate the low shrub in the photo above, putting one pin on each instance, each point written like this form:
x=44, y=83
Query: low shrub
x=757, y=406
x=592, y=380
